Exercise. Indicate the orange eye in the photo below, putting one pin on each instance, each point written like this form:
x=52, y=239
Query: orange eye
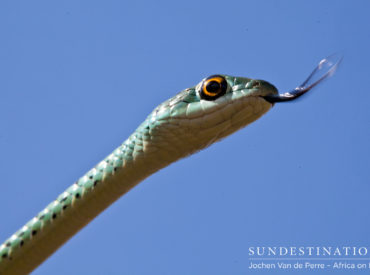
x=213, y=87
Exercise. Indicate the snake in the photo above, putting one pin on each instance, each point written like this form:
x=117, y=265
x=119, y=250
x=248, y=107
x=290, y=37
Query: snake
x=190, y=121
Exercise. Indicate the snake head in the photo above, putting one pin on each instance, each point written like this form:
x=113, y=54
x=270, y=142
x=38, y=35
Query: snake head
x=201, y=115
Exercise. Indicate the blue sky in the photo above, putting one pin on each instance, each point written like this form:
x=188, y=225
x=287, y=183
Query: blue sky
x=77, y=77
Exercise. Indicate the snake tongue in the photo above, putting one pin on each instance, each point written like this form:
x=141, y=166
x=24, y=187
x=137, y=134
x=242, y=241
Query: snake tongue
x=297, y=92
x=324, y=69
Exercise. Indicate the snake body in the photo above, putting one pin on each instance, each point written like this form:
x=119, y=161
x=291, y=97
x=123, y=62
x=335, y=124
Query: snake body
x=188, y=122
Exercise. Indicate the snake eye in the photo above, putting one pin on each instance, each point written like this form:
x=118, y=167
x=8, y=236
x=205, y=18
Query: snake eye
x=213, y=87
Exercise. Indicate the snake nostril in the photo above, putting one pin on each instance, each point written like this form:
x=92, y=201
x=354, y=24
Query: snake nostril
x=256, y=84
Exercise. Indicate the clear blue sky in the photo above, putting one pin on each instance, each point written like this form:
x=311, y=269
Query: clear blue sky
x=77, y=77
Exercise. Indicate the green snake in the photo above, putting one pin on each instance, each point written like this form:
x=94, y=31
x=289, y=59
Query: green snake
x=186, y=123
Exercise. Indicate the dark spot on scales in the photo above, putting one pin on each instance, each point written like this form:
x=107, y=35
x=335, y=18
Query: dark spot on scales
x=65, y=207
x=34, y=232
x=95, y=183
x=54, y=216
x=8, y=244
x=5, y=255
x=21, y=243
x=77, y=196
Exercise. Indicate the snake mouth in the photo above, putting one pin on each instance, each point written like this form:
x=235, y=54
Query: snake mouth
x=324, y=69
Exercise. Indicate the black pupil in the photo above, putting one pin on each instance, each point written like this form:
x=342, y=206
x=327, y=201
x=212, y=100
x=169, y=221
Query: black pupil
x=213, y=87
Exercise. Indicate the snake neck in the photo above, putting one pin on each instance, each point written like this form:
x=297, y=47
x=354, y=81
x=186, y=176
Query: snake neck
x=137, y=158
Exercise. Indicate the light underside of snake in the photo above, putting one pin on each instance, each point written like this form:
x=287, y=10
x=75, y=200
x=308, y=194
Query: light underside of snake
x=190, y=121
